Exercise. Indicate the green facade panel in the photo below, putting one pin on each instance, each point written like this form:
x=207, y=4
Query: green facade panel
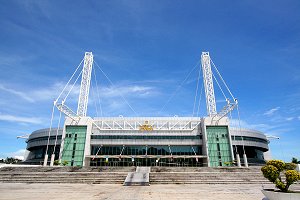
x=74, y=144
x=219, y=150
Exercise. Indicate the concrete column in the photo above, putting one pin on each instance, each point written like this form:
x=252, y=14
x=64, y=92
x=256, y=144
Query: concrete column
x=52, y=159
x=87, y=162
x=238, y=160
x=45, y=160
x=245, y=160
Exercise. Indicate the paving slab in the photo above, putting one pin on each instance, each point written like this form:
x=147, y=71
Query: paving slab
x=23, y=191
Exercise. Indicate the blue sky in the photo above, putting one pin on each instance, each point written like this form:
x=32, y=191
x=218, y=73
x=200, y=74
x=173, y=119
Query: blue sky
x=147, y=48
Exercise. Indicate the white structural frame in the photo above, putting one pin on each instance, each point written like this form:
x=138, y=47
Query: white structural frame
x=158, y=124
x=85, y=84
x=208, y=85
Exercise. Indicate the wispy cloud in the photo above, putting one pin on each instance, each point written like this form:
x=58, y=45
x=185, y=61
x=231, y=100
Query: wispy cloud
x=131, y=90
x=35, y=95
x=289, y=118
x=12, y=118
x=271, y=111
x=260, y=126
x=17, y=93
x=269, y=129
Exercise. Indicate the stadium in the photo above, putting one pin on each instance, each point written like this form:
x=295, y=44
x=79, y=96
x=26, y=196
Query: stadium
x=207, y=141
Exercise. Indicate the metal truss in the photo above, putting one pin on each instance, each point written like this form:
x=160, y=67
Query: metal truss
x=156, y=125
x=66, y=110
x=85, y=84
x=225, y=110
x=208, y=85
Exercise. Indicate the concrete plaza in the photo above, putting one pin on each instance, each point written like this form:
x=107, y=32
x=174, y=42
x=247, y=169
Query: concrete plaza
x=23, y=191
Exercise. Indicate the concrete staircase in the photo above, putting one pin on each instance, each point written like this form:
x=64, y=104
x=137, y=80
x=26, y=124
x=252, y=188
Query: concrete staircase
x=158, y=175
x=65, y=177
x=207, y=178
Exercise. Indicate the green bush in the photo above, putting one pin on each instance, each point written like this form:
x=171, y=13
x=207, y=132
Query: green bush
x=56, y=162
x=64, y=163
x=273, y=170
x=290, y=166
x=228, y=164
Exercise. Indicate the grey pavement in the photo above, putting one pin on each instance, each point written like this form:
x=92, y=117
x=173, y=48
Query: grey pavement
x=23, y=191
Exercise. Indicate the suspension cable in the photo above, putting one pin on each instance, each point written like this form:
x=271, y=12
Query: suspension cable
x=57, y=132
x=219, y=86
x=98, y=94
x=237, y=108
x=198, y=110
x=196, y=91
x=179, y=87
x=50, y=127
x=222, y=79
x=94, y=101
x=115, y=87
x=72, y=86
x=234, y=134
x=69, y=80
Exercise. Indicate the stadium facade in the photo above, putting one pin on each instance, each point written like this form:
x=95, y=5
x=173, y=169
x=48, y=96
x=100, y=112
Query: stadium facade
x=147, y=141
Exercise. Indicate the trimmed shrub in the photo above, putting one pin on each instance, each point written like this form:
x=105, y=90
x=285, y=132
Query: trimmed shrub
x=273, y=170
x=290, y=166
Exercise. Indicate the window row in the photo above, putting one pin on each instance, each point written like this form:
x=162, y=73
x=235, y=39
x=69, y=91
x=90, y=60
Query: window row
x=136, y=137
x=146, y=150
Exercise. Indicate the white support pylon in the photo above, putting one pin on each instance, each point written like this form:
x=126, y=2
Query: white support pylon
x=52, y=159
x=238, y=160
x=208, y=85
x=45, y=160
x=245, y=160
x=85, y=84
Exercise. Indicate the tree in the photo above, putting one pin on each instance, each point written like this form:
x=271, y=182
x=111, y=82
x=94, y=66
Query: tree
x=11, y=160
x=295, y=160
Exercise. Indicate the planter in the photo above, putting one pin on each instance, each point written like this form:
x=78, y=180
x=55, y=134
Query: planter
x=276, y=195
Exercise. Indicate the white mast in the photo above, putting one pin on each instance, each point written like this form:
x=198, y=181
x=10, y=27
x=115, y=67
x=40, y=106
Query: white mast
x=208, y=85
x=85, y=84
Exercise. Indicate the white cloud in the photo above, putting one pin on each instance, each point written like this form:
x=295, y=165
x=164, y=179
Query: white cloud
x=271, y=111
x=12, y=118
x=19, y=154
x=52, y=92
x=289, y=118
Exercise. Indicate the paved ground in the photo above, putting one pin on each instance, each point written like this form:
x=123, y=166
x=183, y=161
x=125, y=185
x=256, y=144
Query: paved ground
x=22, y=191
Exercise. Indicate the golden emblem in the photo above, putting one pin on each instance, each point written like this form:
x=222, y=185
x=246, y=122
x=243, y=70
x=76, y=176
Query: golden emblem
x=146, y=127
